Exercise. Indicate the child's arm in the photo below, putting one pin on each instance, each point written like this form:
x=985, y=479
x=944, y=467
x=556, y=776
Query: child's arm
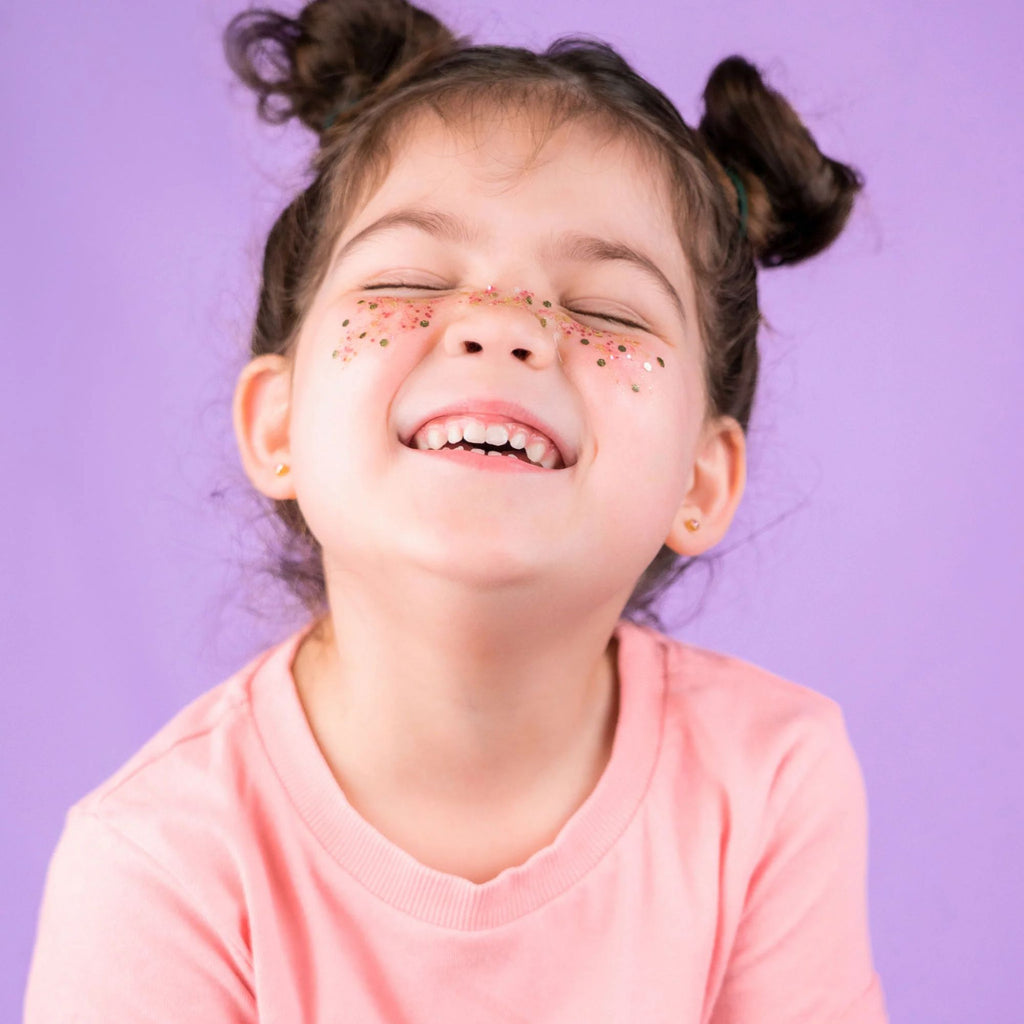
x=120, y=940
x=802, y=952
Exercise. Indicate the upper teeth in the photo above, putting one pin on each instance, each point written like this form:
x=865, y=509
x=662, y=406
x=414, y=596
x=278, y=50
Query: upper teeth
x=473, y=430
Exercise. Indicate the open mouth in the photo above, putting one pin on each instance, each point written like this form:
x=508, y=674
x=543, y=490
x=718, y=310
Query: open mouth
x=498, y=437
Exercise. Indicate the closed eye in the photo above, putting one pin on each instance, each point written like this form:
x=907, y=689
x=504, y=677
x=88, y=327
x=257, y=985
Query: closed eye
x=611, y=319
x=403, y=284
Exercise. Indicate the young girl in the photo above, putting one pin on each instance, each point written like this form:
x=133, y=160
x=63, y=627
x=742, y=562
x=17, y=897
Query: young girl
x=502, y=367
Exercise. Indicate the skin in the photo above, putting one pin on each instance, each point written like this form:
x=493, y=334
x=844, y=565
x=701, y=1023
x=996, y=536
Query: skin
x=463, y=686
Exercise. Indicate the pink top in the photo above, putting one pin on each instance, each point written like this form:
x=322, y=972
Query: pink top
x=715, y=874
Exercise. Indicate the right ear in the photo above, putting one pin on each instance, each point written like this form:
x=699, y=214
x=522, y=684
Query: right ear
x=261, y=413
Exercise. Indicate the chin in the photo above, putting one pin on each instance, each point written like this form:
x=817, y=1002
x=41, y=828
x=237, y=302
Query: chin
x=484, y=565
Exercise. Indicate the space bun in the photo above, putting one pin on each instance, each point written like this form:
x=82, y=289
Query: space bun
x=797, y=199
x=324, y=64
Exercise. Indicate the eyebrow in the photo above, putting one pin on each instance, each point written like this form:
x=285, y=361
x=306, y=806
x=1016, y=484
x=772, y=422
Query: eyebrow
x=432, y=222
x=574, y=247
x=591, y=249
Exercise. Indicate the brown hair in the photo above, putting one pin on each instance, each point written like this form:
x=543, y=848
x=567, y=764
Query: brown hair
x=749, y=183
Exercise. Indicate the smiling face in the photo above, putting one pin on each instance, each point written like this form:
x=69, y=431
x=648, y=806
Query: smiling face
x=493, y=295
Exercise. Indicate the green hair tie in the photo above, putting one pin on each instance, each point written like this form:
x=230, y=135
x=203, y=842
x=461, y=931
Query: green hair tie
x=741, y=199
x=339, y=108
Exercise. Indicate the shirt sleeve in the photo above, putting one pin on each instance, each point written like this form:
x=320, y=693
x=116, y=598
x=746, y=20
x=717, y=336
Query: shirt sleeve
x=119, y=939
x=802, y=953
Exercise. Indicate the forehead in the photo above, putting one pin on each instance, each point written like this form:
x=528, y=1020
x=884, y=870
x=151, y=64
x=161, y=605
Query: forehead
x=522, y=171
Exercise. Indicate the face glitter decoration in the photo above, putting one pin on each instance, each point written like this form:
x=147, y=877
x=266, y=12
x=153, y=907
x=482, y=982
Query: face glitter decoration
x=376, y=322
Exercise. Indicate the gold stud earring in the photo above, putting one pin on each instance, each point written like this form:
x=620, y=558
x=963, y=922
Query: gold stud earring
x=693, y=525
x=281, y=469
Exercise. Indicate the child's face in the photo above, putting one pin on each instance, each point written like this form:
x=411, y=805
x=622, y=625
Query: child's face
x=479, y=294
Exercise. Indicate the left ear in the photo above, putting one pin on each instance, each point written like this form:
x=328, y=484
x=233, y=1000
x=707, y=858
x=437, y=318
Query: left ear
x=717, y=480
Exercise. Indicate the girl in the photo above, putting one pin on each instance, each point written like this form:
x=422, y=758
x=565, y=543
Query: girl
x=502, y=367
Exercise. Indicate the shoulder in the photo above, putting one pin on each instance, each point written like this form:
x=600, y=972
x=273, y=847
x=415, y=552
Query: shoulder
x=148, y=865
x=195, y=748
x=148, y=869
x=754, y=732
x=183, y=810
x=770, y=798
x=724, y=686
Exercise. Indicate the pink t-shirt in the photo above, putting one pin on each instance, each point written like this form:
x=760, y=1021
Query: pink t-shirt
x=715, y=874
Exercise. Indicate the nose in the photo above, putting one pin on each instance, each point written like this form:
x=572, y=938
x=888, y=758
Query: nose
x=504, y=331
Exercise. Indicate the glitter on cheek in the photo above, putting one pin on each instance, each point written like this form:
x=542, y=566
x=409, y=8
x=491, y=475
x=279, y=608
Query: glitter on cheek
x=623, y=360
x=345, y=353
x=378, y=321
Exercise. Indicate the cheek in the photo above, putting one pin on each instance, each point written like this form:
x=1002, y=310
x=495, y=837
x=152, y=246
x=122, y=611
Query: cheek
x=618, y=361
x=378, y=324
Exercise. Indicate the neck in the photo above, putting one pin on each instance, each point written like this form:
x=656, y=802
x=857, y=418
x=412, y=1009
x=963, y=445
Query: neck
x=458, y=696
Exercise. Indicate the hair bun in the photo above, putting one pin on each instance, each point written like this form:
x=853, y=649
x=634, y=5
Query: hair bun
x=331, y=56
x=799, y=199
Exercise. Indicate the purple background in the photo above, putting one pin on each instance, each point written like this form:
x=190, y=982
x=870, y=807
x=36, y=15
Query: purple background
x=885, y=567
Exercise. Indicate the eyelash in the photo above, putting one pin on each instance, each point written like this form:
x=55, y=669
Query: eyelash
x=576, y=312
x=612, y=319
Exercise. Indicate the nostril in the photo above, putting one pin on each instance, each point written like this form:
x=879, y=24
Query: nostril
x=473, y=346
x=521, y=353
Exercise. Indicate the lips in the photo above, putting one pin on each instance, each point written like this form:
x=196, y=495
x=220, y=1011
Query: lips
x=492, y=427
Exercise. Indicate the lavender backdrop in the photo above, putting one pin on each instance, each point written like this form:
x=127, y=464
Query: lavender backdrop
x=136, y=188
